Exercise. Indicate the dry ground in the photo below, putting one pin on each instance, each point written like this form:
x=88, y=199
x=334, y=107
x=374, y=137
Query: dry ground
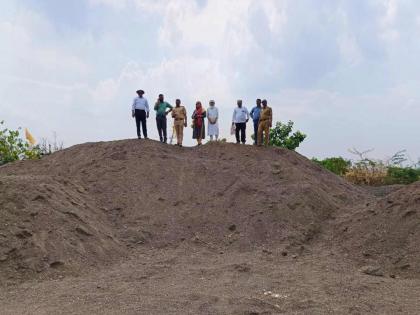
x=136, y=227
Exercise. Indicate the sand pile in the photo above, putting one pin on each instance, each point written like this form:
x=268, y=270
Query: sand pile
x=219, y=229
x=76, y=206
x=49, y=224
x=385, y=233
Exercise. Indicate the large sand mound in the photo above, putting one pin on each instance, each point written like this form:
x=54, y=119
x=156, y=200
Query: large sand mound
x=219, y=229
x=74, y=207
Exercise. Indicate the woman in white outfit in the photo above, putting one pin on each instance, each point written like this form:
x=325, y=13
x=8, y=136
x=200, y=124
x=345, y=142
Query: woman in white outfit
x=213, y=118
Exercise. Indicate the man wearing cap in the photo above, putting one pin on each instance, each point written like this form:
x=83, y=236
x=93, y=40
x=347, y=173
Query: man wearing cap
x=161, y=113
x=239, y=119
x=140, y=111
x=179, y=114
x=266, y=122
x=255, y=115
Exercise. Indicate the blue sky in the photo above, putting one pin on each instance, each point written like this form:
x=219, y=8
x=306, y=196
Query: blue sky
x=346, y=72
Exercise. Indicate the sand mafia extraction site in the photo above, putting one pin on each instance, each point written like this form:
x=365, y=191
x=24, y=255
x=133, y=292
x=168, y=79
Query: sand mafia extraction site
x=138, y=227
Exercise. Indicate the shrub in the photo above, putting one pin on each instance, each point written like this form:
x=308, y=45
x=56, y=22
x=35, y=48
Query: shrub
x=337, y=165
x=13, y=147
x=402, y=175
x=280, y=136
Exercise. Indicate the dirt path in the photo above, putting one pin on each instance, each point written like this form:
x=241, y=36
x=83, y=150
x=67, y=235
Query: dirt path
x=203, y=281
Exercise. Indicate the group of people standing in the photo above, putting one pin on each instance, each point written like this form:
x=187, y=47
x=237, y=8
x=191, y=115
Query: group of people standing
x=261, y=115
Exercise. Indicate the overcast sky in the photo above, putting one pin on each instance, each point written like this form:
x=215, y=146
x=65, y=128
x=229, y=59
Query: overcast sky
x=346, y=72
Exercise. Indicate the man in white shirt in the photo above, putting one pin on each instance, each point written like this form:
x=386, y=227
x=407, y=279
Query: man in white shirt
x=140, y=111
x=239, y=119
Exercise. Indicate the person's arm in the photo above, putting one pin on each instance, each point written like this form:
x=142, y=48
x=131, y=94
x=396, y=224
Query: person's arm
x=156, y=106
x=233, y=117
x=211, y=120
x=217, y=116
x=247, y=114
x=133, y=108
x=252, y=112
x=170, y=108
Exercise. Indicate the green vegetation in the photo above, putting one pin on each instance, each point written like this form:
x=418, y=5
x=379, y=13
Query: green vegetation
x=366, y=171
x=13, y=147
x=281, y=136
x=402, y=175
x=337, y=165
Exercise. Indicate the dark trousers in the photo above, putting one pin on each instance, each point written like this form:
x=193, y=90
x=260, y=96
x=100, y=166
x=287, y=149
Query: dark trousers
x=141, y=119
x=161, y=126
x=256, y=130
x=240, y=127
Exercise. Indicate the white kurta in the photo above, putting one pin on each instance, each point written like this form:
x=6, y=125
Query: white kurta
x=213, y=113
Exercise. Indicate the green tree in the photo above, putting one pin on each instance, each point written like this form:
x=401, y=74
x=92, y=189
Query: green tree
x=281, y=136
x=13, y=147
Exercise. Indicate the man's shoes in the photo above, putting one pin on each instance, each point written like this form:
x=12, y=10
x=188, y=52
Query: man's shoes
x=237, y=142
x=138, y=137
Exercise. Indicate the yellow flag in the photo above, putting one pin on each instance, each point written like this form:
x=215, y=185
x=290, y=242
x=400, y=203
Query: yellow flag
x=29, y=137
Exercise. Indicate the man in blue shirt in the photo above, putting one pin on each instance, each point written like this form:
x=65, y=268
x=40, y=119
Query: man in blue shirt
x=140, y=111
x=255, y=115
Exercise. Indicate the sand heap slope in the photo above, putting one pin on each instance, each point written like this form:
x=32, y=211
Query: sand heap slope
x=386, y=232
x=93, y=202
x=49, y=223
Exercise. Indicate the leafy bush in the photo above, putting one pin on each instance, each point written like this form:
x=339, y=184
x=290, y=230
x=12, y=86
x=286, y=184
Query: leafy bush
x=280, y=136
x=337, y=165
x=13, y=147
x=402, y=175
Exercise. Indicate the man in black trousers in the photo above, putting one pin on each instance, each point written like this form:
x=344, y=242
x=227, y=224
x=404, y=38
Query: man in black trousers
x=140, y=110
x=161, y=113
x=239, y=119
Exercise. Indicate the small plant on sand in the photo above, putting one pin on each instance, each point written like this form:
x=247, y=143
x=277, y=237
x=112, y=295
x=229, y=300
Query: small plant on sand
x=13, y=147
x=50, y=146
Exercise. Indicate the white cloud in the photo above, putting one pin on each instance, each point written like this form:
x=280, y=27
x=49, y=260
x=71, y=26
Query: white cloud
x=350, y=49
x=341, y=70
